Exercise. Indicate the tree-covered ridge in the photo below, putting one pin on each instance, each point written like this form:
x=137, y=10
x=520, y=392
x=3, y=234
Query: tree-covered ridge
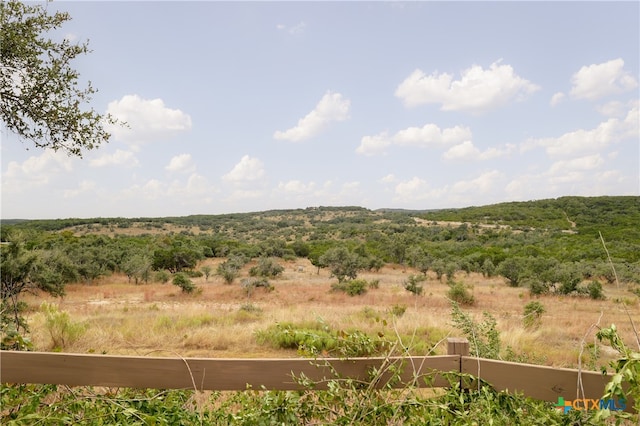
x=553, y=214
x=617, y=218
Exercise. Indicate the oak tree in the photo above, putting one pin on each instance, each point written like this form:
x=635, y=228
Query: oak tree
x=41, y=97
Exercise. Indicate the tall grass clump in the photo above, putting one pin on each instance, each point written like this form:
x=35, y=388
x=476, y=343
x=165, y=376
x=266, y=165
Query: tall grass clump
x=63, y=331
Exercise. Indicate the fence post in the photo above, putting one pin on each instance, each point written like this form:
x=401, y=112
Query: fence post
x=458, y=346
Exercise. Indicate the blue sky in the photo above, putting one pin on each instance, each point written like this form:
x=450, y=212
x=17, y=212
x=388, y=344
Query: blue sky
x=251, y=106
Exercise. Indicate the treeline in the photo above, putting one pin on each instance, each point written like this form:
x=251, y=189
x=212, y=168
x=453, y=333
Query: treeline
x=536, y=240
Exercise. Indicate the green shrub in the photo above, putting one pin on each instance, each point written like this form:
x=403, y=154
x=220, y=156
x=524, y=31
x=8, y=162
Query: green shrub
x=458, y=292
x=314, y=339
x=266, y=267
x=532, y=313
x=536, y=287
x=351, y=287
x=182, y=280
x=594, y=289
x=250, y=284
x=413, y=284
x=374, y=284
x=162, y=276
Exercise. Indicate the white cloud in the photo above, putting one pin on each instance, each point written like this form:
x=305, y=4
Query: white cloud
x=294, y=29
x=599, y=80
x=146, y=119
x=585, y=141
x=296, y=187
x=195, y=186
x=428, y=135
x=182, y=163
x=248, y=169
x=118, y=158
x=83, y=187
x=612, y=109
x=482, y=184
x=332, y=107
x=152, y=189
x=477, y=90
x=413, y=189
x=390, y=178
x=588, y=162
x=35, y=171
x=373, y=145
x=557, y=98
x=468, y=151
x=465, y=150
x=178, y=192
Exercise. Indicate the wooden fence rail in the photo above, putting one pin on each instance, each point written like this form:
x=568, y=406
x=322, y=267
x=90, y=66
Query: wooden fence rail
x=538, y=382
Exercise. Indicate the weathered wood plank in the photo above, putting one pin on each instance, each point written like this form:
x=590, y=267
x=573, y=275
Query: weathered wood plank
x=205, y=373
x=538, y=382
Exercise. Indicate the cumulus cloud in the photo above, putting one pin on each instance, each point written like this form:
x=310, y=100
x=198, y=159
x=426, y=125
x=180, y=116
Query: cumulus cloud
x=414, y=189
x=374, y=145
x=482, y=184
x=617, y=108
x=557, y=98
x=195, y=187
x=599, y=80
x=332, y=107
x=468, y=151
x=390, y=178
x=83, y=187
x=588, y=162
x=35, y=171
x=464, y=150
x=182, y=163
x=147, y=119
x=477, y=90
x=419, y=193
x=428, y=135
x=583, y=141
x=296, y=187
x=119, y=158
x=248, y=169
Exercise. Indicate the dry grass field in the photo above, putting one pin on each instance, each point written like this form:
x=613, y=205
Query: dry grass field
x=221, y=321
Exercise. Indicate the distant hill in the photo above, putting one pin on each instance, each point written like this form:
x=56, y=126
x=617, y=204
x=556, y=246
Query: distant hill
x=621, y=213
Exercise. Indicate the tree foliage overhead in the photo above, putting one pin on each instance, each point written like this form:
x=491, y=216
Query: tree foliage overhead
x=41, y=99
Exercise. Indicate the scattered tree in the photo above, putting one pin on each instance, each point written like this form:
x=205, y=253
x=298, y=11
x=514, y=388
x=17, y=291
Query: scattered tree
x=206, y=270
x=343, y=263
x=182, y=280
x=230, y=268
x=26, y=271
x=512, y=268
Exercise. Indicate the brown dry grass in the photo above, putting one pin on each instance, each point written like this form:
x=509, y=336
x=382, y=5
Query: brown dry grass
x=158, y=319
